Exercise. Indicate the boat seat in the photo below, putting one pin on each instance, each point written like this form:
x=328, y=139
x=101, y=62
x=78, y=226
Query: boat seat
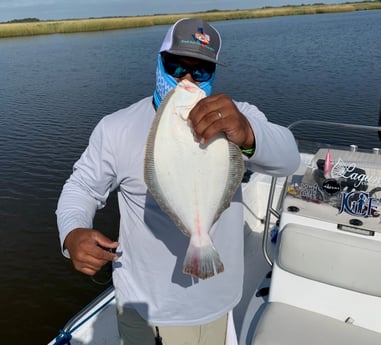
x=320, y=280
x=335, y=258
x=283, y=324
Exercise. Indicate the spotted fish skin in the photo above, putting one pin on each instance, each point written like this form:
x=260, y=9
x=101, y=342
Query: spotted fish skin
x=192, y=182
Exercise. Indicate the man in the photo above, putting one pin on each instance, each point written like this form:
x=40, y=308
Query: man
x=153, y=295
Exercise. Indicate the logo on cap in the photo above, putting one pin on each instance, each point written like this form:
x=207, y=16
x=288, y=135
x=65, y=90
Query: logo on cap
x=201, y=37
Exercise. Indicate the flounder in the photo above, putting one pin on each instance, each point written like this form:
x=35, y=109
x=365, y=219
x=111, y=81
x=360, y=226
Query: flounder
x=193, y=183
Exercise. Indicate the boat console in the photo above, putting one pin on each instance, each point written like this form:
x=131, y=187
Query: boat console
x=340, y=187
x=326, y=280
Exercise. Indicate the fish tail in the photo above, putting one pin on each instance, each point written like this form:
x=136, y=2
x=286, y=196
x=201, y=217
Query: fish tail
x=202, y=261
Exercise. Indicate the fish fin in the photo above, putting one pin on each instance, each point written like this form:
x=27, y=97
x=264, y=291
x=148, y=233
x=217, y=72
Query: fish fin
x=202, y=262
x=237, y=170
x=149, y=167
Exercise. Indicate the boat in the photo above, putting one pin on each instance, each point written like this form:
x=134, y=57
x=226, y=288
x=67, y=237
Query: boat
x=312, y=252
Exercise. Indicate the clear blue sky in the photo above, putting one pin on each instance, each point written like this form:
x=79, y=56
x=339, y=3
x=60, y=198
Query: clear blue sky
x=66, y=9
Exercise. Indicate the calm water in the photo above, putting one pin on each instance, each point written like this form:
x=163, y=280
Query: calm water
x=54, y=89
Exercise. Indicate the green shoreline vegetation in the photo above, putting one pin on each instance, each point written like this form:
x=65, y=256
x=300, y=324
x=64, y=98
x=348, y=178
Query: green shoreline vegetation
x=33, y=26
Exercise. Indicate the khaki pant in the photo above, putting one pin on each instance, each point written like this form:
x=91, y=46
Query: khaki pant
x=134, y=330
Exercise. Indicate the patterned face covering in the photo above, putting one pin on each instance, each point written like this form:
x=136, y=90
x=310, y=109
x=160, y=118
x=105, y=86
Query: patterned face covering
x=165, y=83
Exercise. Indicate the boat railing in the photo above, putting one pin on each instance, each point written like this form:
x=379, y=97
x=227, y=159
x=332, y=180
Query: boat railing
x=332, y=124
x=275, y=210
x=91, y=310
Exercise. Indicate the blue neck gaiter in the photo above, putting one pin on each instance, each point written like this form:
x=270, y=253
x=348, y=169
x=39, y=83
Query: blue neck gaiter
x=165, y=83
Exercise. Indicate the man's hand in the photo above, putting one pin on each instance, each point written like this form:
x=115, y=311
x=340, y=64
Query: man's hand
x=218, y=113
x=89, y=250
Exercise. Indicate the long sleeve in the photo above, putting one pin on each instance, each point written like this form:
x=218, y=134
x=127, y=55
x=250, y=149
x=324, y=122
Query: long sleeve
x=88, y=187
x=276, y=152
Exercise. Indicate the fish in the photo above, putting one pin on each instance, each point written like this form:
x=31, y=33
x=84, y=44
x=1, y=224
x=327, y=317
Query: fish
x=192, y=182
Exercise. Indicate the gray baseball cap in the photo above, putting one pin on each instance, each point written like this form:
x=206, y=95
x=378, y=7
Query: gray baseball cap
x=193, y=37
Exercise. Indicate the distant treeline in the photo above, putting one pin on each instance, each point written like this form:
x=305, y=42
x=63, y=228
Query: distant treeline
x=24, y=20
x=34, y=26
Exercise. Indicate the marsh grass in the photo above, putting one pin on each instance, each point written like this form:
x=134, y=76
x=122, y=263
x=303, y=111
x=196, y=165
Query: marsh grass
x=102, y=24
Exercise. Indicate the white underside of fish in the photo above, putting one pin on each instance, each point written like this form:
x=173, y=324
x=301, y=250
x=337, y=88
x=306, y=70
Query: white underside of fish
x=191, y=182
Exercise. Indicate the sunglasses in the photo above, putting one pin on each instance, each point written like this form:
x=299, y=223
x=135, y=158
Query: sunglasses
x=178, y=69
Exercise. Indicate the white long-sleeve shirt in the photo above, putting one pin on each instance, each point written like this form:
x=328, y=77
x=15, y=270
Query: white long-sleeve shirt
x=148, y=275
